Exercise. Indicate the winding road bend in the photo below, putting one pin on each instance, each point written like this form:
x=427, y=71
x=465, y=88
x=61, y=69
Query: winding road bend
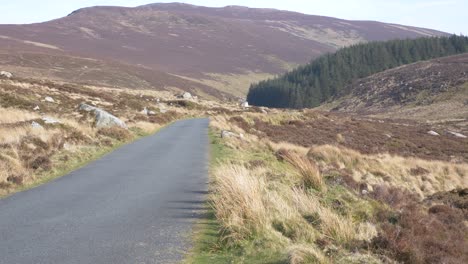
x=136, y=205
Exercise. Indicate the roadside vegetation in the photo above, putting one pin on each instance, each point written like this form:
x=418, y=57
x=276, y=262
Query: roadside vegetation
x=287, y=186
x=273, y=201
x=44, y=134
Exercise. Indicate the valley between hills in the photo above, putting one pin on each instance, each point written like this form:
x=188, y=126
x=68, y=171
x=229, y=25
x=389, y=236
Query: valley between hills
x=375, y=174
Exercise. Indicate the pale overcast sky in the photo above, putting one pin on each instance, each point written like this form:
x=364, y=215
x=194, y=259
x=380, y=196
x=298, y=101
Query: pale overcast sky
x=446, y=15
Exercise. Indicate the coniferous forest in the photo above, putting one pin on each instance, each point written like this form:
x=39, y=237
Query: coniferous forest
x=327, y=76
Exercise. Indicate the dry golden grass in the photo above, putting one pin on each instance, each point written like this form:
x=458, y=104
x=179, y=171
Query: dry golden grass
x=366, y=231
x=10, y=165
x=249, y=203
x=275, y=147
x=14, y=135
x=305, y=254
x=248, y=206
x=10, y=115
x=238, y=202
x=333, y=226
x=275, y=117
x=221, y=122
x=146, y=127
x=339, y=229
x=309, y=172
x=84, y=128
x=419, y=176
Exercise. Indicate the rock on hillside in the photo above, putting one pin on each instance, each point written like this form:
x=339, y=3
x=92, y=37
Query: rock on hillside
x=6, y=74
x=103, y=118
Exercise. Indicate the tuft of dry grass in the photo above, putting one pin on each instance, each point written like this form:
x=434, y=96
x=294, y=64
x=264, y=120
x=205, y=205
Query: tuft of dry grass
x=333, y=226
x=310, y=174
x=238, y=202
x=336, y=227
x=366, y=231
x=304, y=254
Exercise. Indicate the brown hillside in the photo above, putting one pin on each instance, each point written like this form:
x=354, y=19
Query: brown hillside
x=221, y=46
x=434, y=90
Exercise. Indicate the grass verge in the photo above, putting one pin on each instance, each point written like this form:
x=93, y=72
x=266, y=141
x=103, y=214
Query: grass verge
x=275, y=202
x=209, y=246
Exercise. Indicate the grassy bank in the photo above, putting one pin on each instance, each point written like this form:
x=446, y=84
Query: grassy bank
x=276, y=202
x=44, y=134
x=210, y=246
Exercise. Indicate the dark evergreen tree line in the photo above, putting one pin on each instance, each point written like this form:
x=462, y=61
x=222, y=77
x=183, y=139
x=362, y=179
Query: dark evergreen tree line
x=328, y=75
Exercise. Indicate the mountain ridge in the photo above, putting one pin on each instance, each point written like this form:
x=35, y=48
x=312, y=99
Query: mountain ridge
x=213, y=45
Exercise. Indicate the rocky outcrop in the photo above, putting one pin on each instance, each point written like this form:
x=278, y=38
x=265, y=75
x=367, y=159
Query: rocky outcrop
x=6, y=74
x=103, y=118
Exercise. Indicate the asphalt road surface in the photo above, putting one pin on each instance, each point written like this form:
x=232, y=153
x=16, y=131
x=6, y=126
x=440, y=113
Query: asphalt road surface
x=136, y=205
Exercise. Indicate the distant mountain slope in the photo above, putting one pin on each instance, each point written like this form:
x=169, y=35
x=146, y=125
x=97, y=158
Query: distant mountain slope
x=216, y=45
x=430, y=90
x=107, y=73
x=328, y=76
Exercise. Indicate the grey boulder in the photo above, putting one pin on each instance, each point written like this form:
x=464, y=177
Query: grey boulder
x=103, y=118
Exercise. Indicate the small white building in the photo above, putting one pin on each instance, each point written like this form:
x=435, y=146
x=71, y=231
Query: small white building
x=245, y=104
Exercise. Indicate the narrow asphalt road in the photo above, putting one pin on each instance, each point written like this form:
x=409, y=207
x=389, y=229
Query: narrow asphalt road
x=136, y=205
